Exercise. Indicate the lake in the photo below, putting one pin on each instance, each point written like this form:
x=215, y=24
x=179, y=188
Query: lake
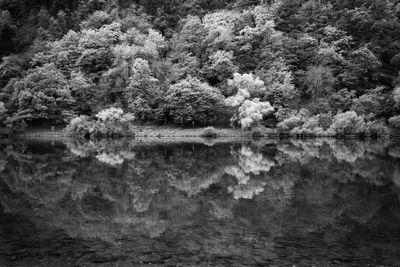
x=314, y=202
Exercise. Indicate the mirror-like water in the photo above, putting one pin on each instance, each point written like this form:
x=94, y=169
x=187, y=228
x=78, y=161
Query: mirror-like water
x=303, y=203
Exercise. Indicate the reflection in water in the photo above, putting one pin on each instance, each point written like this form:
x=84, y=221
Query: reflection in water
x=314, y=202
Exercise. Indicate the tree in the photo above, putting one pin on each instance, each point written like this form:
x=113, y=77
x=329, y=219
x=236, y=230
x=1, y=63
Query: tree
x=348, y=123
x=12, y=67
x=95, y=60
x=63, y=53
x=251, y=112
x=43, y=18
x=220, y=67
x=3, y=112
x=396, y=97
x=191, y=102
x=280, y=89
x=97, y=20
x=220, y=30
x=143, y=95
x=319, y=81
x=58, y=25
x=370, y=104
x=247, y=84
x=395, y=122
x=341, y=100
x=247, y=87
x=86, y=95
x=189, y=38
x=43, y=94
x=186, y=65
x=360, y=70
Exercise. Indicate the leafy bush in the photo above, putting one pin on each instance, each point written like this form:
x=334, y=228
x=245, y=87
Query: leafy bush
x=110, y=115
x=290, y=123
x=376, y=129
x=209, y=132
x=252, y=112
x=260, y=131
x=370, y=104
x=293, y=121
x=108, y=122
x=43, y=94
x=325, y=120
x=284, y=113
x=303, y=124
x=220, y=67
x=311, y=127
x=348, y=123
x=194, y=102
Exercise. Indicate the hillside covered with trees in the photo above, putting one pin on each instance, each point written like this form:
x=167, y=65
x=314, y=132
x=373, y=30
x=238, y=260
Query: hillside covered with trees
x=303, y=66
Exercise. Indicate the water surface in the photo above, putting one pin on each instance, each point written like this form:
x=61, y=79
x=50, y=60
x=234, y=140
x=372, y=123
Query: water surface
x=267, y=202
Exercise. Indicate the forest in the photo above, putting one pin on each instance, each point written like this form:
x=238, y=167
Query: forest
x=306, y=67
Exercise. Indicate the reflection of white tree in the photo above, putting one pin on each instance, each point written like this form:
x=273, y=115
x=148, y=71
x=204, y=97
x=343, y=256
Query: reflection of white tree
x=110, y=159
x=247, y=191
x=220, y=212
x=109, y=152
x=248, y=162
x=299, y=150
x=237, y=172
x=347, y=153
x=394, y=151
x=396, y=176
x=193, y=185
x=253, y=162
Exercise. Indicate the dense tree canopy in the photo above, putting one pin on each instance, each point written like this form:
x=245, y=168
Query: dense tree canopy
x=153, y=58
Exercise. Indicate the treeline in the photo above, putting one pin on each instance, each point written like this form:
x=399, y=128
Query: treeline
x=304, y=66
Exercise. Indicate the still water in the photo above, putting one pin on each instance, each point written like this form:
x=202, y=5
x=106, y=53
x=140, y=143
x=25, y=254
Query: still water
x=256, y=203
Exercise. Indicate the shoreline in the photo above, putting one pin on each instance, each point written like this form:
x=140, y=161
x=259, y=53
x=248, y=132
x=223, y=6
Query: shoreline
x=161, y=132
x=168, y=132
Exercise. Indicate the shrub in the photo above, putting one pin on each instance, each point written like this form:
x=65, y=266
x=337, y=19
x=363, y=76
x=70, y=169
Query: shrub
x=209, y=132
x=284, y=113
x=348, y=123
x=325, y=120
x=110, y=122
x=252, y=112
x=193, y=102
x=293, y=121
x=311, y=127
x=290, y=123
x=110, y=114
x=80, y=126
x=376, y=129
x=259, y=131
x=395, y=121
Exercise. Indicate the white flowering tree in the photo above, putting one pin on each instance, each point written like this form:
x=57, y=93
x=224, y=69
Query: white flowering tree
x=250, y=111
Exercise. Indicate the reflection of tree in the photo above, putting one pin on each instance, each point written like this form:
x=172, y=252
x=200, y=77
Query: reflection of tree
x=344, y=160
x=111, y=152
x=248, y=162
x=236, y=201
x=193, y=169
x=394, y=151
